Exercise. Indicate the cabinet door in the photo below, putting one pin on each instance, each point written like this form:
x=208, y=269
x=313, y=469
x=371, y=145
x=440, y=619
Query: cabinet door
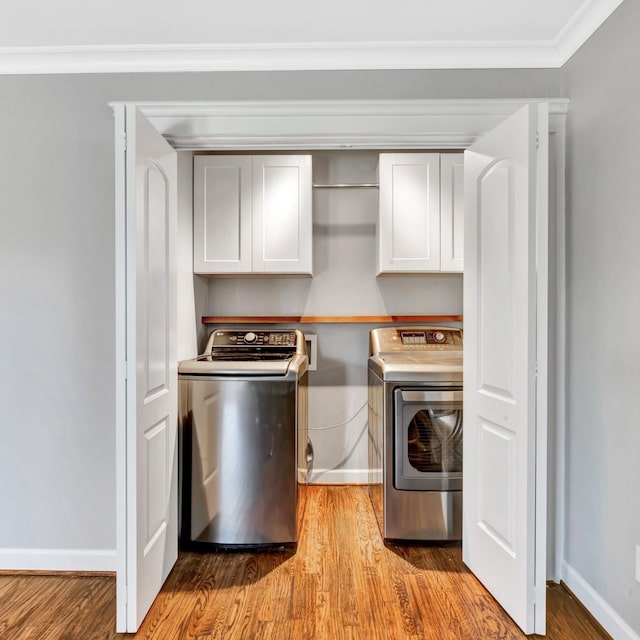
x=222, y=204
x=452, y=211
x=282, y=214
x=409, y=226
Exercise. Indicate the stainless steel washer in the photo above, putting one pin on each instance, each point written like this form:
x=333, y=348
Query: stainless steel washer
x=243, y=412
x=415, y=432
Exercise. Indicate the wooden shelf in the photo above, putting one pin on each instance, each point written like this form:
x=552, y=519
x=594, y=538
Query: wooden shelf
x=326, y=319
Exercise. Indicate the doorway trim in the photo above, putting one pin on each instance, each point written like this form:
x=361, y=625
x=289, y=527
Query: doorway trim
x=334, y=124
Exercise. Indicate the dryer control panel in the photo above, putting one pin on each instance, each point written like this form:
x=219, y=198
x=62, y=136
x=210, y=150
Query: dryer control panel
x=424, y=339
x=438, y=336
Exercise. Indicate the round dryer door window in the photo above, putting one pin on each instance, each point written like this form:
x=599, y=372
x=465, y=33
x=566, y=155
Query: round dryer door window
x=428, y=439
x=434, y=441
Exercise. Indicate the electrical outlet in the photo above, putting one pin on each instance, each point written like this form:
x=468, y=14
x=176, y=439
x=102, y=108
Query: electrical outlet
x=638, y=563
x=312, y=350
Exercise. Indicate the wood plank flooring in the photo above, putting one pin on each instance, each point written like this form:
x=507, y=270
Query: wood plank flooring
x=342, y=583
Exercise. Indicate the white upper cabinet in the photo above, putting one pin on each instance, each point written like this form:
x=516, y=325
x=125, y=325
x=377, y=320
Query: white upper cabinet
x=252, y=214
x=282, y=229
x=418, y=231
x=452, y=211
x=222, y=212
x=409, y=222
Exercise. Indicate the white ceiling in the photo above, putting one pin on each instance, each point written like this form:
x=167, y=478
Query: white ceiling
x=155, y=35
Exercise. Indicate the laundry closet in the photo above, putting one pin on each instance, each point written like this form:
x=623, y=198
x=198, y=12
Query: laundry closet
x=344, y=259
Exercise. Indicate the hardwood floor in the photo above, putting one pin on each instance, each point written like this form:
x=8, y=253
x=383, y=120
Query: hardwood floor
x=342, y=582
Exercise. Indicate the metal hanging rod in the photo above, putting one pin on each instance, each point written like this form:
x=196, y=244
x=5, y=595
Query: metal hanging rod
x=352, y=185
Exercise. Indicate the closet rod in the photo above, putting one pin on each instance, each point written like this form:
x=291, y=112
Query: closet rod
x=347, y=185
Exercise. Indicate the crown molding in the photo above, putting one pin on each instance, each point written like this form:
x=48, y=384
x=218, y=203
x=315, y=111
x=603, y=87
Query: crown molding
x=582, y=26
x=319, y=56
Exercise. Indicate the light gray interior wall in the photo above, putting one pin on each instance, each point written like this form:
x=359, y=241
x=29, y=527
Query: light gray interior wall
x=56, y=316
x=57, y=271
x=603, y=232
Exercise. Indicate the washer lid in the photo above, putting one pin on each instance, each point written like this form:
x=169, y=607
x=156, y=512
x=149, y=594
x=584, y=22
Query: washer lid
x=206, y=366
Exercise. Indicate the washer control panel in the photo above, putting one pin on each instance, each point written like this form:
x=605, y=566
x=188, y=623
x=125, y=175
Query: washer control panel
x=254, y=339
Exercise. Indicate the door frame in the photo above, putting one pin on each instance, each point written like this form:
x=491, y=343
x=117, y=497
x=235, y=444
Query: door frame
x=361, y=124
x=122, y=369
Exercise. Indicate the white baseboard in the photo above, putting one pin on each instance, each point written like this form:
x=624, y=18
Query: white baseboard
x=57, y=559
x=597, y=606
x=339, y=476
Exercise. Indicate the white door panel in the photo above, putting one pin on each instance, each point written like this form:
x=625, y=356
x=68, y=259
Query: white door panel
x=502, y=208
x=495, y=272
x=151, y=536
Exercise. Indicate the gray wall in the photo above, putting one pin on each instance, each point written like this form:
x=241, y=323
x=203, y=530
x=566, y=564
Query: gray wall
x=603, y=233
x=57, y=453
x=57, y=450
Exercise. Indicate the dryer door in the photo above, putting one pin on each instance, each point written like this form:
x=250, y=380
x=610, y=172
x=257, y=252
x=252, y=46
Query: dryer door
x=428, y=439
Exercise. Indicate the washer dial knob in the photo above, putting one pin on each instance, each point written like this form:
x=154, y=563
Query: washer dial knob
x=439, y=337
x=250, y=337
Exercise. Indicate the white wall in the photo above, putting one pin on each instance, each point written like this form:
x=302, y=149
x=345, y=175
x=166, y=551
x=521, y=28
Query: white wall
x=603, y=426
x=57, y=433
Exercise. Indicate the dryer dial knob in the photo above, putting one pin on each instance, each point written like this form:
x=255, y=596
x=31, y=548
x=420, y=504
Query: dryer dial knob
x=250, y=337
x=438, y=336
